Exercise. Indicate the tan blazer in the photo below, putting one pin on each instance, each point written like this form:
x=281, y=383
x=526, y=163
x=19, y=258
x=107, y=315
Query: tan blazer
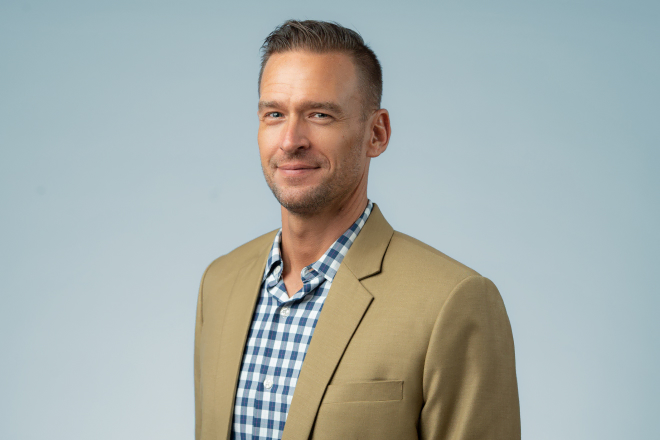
x=409, y=344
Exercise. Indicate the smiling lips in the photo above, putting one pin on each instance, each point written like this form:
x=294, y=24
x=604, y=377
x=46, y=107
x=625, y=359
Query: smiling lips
x=296, y=169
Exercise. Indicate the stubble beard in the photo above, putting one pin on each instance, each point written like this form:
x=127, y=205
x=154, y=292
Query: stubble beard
x=311, y=200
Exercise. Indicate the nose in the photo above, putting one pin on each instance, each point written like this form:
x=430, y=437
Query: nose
x=295, y=136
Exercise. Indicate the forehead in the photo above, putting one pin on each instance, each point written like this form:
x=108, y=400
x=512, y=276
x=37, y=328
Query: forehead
x=304, y=76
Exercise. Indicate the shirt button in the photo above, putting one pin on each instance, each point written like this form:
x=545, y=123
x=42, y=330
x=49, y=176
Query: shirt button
x=305, y=271
x=285, y=311
x=268, y=383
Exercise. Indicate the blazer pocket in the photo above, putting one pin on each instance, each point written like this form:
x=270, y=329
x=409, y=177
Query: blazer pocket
x=375, y=391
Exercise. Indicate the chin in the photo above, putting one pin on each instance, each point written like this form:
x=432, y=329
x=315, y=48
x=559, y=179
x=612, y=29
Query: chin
x=307, y=201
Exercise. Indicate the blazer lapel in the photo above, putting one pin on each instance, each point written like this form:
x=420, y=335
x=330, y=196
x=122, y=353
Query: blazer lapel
x=344, y=307
x=346, y=304
x=238, y=318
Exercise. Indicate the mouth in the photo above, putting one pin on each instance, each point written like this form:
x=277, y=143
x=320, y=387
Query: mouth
x=297, y=169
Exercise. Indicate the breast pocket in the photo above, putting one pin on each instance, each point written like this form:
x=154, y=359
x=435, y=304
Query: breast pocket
x=363, y=410
x=375, y=391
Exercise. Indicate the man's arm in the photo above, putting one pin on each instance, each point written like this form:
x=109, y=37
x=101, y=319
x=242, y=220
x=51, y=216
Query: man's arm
x=470, y=387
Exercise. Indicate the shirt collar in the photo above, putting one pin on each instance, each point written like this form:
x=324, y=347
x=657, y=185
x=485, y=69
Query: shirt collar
x=329, y=262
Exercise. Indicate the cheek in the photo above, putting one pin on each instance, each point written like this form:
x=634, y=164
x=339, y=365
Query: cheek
x=333, y=147
x=261, y=138
x=267, y=145
x=351, y=154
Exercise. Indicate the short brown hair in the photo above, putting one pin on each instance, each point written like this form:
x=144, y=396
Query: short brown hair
x=322, y=37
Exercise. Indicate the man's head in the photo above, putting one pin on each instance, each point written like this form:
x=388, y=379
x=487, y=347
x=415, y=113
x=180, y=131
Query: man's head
x=324, y=37
x=316, y=137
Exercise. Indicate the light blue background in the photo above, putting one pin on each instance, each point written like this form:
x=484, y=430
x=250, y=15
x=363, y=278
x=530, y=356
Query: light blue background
x=525, y=144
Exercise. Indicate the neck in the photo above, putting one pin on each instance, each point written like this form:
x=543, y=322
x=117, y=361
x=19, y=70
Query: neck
x=306, y=238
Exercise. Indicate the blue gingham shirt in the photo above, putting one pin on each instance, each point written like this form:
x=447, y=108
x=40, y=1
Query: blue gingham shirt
x=280, y=333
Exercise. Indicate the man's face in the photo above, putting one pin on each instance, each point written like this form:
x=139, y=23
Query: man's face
x=312, y=137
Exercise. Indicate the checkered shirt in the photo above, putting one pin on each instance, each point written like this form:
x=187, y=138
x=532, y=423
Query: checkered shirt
x=280, y=333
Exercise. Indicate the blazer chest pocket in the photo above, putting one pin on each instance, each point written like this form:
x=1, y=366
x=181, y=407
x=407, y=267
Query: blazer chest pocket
x=375, y=391
x=365, y=411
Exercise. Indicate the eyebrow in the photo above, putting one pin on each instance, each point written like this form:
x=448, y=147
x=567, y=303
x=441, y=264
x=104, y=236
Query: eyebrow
x=305, y=105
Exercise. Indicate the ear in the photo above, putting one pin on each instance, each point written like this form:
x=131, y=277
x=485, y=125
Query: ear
x=379, y=134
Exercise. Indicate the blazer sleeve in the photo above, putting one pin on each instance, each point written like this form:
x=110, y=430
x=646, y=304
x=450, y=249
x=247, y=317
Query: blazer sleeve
x=469, y=383
x=198, y=362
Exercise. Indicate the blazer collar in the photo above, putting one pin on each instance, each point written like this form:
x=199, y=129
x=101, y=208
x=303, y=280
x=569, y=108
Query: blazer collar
x=365, y=257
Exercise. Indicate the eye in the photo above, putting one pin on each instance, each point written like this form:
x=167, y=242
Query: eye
x=318, y=115
x=273, y=115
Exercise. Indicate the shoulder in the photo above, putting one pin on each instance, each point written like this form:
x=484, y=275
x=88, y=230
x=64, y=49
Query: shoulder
x=408, y=253
x=418, y=275
x=238, y=258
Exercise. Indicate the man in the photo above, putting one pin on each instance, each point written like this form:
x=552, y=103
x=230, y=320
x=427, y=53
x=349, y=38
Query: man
x=335, y=326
